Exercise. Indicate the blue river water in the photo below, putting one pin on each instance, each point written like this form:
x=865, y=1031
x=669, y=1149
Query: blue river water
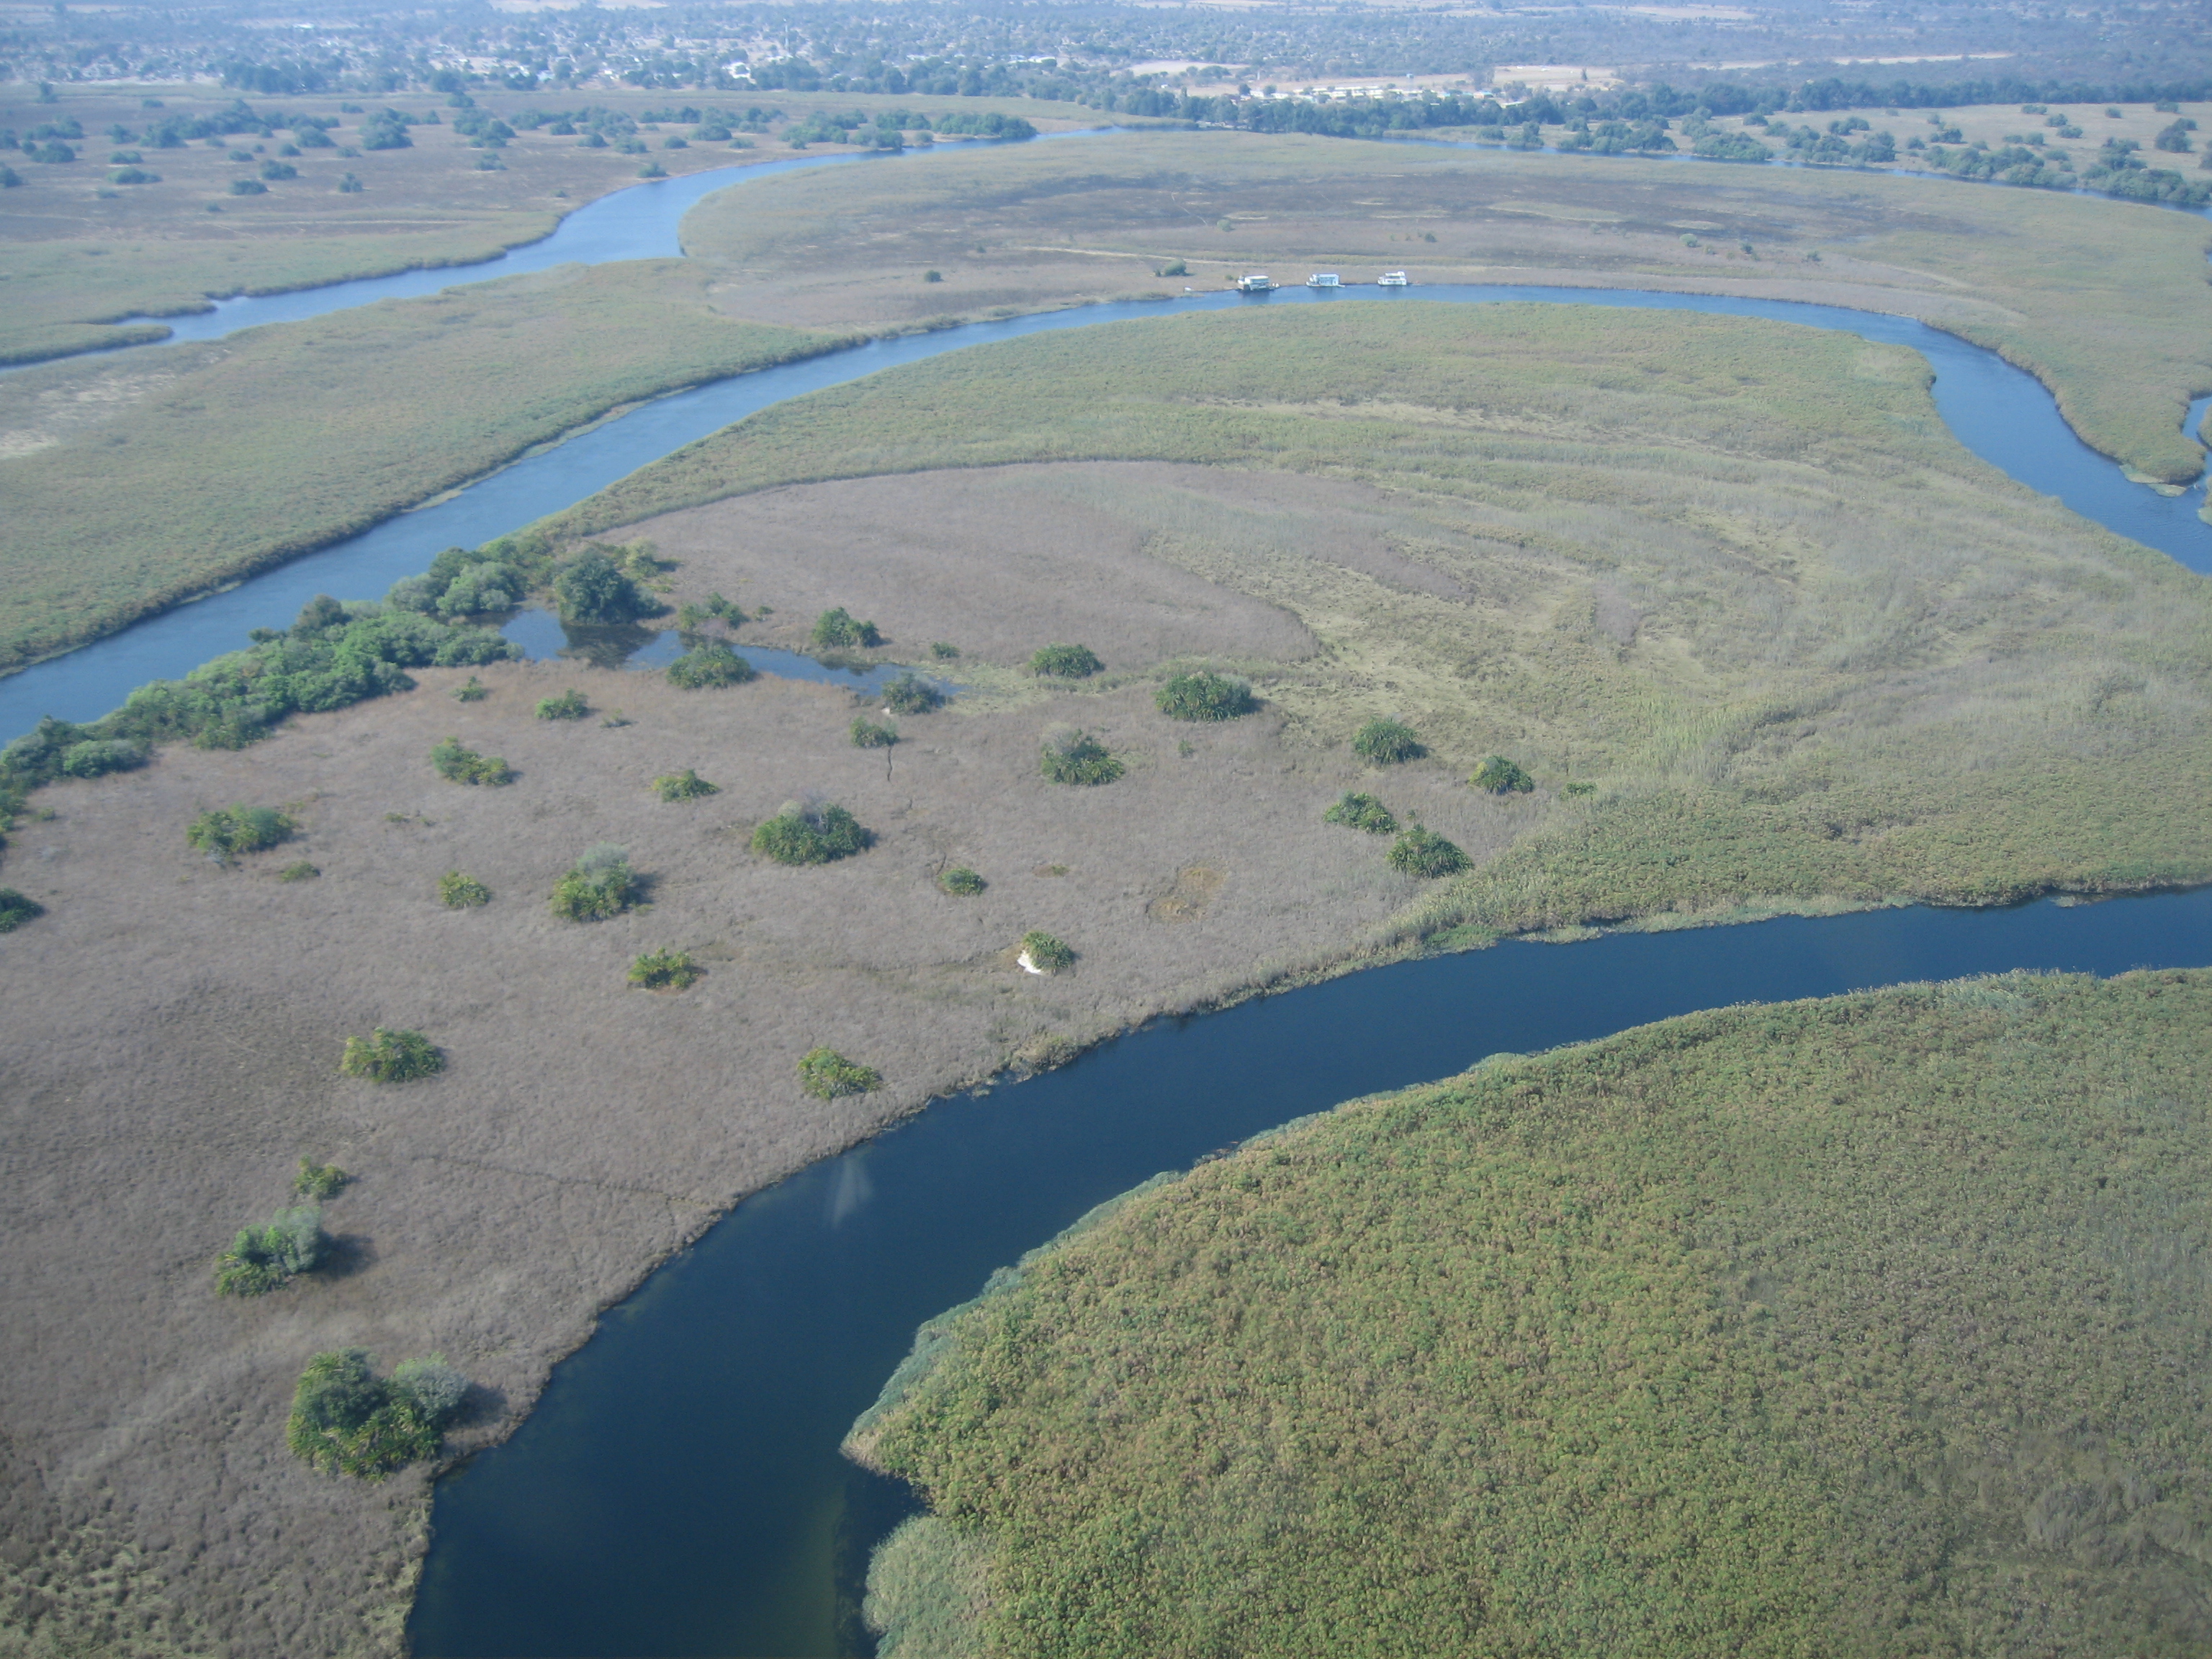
x=677, y=1489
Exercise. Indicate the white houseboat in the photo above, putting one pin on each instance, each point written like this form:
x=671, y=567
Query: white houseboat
x=1259, y=282
x=1323, y=279
x=1391, y=279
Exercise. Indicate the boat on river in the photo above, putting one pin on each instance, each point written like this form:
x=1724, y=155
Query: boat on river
x=1258, y=282
x=1391, y=279
x=1323, y=279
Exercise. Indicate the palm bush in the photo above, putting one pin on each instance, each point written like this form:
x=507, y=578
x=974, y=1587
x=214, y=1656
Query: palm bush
x=840, y=631
x=705, y=667
x=1423, y=852
x=347, y=1420
x=302, y=870
x=568, y=706
x=264, y=1259
x=458, y=765
x=826, y=1074
x=474, y=691
x=1500, y=776
x=1070, y=756
x=944, y=650
x=1387, y=742
x=1045, y=953
x=1205, y=696
x=910, y=694
x=802, y=833
x=1357, y=810
x=389, y=1056
x=319, y=1181
x=224, y=832
x=665, y=970
x=962, y=883
x=16, y=909
x=873, y=734
x=457, y=891
x=1065, y=662
x=686, y=784
x=598, y=885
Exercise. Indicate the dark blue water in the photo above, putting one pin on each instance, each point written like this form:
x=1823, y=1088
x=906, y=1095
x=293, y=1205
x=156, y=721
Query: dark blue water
x=678, y=1490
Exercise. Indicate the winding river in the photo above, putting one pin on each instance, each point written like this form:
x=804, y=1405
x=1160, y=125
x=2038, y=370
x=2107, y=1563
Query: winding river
x=677, y=1489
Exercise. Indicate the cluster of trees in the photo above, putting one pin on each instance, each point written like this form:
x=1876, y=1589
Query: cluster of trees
x=601, y=884
x=807, y=832
x=347, y=1420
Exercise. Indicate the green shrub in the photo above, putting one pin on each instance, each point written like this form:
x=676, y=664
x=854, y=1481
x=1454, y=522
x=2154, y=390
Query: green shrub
x=665, y=970
x=943, y=652
x=1205, y=696
x=910, y=694
x=15, y=909
x=1045, y=953
x=686, y=784
x=803, y=834
x=460, y=765
x=1500, y=776
x=713, y=606
x=459, y=892
x=1579, y=788
x=264, y=1259
x=346, y=1420
x=704, y=667
x=436, y=1388
x=1069, y=756
x=598, y=885
x=568, y=706
x=871, y=734
x=1423, y=852
x=302, y=870
x=838, y=631
x=1065, y=662
x=388, y=1056
x=474, y=691
x=319, y=1181
x=826, y=1074
x=1362, y=812
x=962, y=883
x=1387, y=742
x=592, y=588
x=102, y=755
x=224, y=832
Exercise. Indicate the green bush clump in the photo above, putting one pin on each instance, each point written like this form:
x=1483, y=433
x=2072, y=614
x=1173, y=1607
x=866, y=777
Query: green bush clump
x=803, y=834
x=474, y=691
x=704, y=667
x=1359, y=810
x=1500, y=776
x=264, y=1259
x=459, y=892
x=873, y=734
x=1065, y=662
x=1387, y=742
x=962, y=883
x=99, y=757
x=598, y=885
x=943, y=651
x=568, y=706
x=319, y=1181
x=347, y=1420
x=460, y=765
x=302, y=870
x=826, y=1074
x=1045, y=953
x=223, y=832
x=592, y=588
x=389, y=1056
x=1070, y=756
x=461, y=582
x=714, y=606
x=15, y=909
x=665, y=970
x=1421, y=852
x=1205, y=696
x=910, y=694
x=839, y=630
x=686, y=784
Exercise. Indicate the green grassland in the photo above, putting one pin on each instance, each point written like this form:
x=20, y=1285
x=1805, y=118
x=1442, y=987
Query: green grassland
x=1869, y=1326
x=211, y=461
x=1734, y=574
x=2106, y=301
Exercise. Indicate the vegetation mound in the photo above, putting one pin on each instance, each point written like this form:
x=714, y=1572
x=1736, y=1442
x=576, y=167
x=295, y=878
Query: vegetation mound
x=568, y=706
x=1045, y=953
x=598, y=885
x=1358, y=810
x=838, y=630
x=1824, y=1327
x=1065, y=662
x=686, y=784
x=962, y=883
x=665, y=970
x=1422, y=852
x=801, y=833
x=223, y=832
x=458, y=891
x=1073, y=756
x=1501, y=776
x=16, y=909
x=1205, y=696
x=910, y=694
x=1387, y=742
x=873, y=734
x=264, y=1259
x=705, y=667
x=347, y=1420
x=826, y=1074
x=459, y=764
x=388, y=1056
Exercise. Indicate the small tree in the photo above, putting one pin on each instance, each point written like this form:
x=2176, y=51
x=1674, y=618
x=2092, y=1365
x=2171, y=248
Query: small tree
x=598, y=885
x=224, y=832
x=873, y=734
x=16, y=909
x=704, y=667
x=437, y=1388
x=264, y=1259
x=474, y=691
x=389, y=1056
x=686, y=784
x=568, y=706
x=1205, y=696
x=319, y=1181
x=665, y=970
x=1046, y=954
x=1069, y=756
x=1423, y=853
x=826, y=1074
x=944, y=651
x=1387, y=742
x=458, y=765
x=803, y=833
x=1500, y=776
x=592, y=588
x=1065, y=662
x=910, y=694
x=1357, y=810
x=838, y=630
x=962, y=883
x=459, y=892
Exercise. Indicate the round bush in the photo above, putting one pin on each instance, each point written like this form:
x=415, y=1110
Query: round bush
x=224, y=832
x=962, y=883
x=665, y=970
x=1387, y=742
x=686, y=784
x=840, y=631
x=459, y=892
x=1423, y=852
x=16, y=909
x=1356, y=810
x=910, y=694
x=1500, y=776
x=826, y=1074
x=598, y=885
x=801, y=834
x=1076, y=758
x=1045, y=953
x=568, y=706
x=593, y=588
x=706, y=667
x=388, y=1056
x=1205, y=696
x=871, y=734
x=1065, y=662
